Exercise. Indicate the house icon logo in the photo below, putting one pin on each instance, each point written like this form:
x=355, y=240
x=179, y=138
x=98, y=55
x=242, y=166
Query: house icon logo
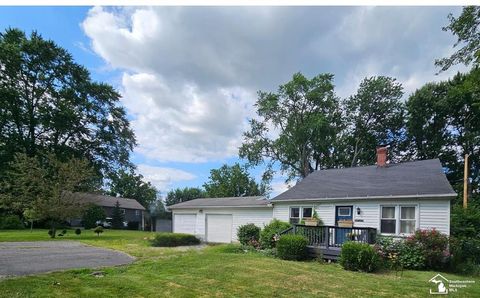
x=440, y=286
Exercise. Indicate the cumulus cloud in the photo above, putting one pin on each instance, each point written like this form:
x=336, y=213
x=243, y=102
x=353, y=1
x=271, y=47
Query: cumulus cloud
x=162, y=177
x=190, y=74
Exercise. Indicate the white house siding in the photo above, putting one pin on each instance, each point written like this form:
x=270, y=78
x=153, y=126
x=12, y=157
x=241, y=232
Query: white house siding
x=431, y=213
x=240, y=216
x=435, y=215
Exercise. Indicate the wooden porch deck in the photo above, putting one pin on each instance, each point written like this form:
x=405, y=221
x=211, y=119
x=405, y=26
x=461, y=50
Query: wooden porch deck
x=327, y=241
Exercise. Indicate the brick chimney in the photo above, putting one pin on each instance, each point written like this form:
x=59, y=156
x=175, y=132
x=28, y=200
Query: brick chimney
x=382, y=156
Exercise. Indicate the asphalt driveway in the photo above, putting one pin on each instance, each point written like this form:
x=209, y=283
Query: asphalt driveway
x=24, y=258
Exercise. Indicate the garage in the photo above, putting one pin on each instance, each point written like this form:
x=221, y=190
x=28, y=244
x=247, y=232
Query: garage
x=219, y=228
x=217, y=220
x=184, y=223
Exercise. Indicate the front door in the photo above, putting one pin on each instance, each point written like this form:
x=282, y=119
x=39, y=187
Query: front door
x=343, y=220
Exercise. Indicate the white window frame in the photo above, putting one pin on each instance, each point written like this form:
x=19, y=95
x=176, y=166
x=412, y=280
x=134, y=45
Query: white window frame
x=343, y=207
x=398, y=218
x=137, y=212
x=123, y=210
x=395, y=219
x=300, y=212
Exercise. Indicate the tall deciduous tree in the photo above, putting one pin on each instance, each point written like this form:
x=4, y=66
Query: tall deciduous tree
x=179, y=195
x=232, y=181
x=373, y=116
x=467, y=30
x=295, y=128
x=444, y=122
x=130, y=185
x=45, y=185
x=49, y=103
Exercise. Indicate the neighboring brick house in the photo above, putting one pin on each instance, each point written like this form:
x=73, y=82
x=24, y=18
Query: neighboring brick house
x=132, y=210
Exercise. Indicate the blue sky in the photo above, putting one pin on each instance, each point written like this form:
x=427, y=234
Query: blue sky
x=189, y=76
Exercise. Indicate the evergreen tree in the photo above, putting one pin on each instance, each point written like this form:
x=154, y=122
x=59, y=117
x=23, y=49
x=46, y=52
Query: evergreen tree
x=117, y=217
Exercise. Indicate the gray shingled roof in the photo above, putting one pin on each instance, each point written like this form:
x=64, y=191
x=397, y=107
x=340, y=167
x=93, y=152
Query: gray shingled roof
x=223, y=202
x=417, y=178
x=108, y=201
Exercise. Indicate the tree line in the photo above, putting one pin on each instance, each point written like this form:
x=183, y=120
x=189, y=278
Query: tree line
x=57, y=124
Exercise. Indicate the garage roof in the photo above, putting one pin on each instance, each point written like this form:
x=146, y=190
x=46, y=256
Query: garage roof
x=258, y=201
x=423, y=178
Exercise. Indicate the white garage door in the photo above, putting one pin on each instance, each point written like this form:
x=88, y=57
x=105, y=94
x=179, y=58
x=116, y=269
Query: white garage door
x=219, y=228
x=184, y=223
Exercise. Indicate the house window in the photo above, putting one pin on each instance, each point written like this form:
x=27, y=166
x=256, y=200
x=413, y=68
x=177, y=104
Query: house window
x=137, y=212
x=397, y=219
x=298, y=213
x=307, y=212
x=122, y=210
x=388, y=220
x=294, y=215
x=344, y=211
x=407, y=220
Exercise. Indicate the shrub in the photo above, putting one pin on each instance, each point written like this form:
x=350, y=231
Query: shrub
x=292, y=247
x=357, y=256
x=433, y=246
x=92, y=215
x=465, y=255
x=268, y=233
x=98, y=230
x=78, y=231
x=465, y=223
x=397, y=254
x=11, y=222
x=174, y=239
x=411, y=256
x=247, y=233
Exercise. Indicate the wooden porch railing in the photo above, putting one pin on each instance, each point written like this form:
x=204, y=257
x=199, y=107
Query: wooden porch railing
x=332, y=236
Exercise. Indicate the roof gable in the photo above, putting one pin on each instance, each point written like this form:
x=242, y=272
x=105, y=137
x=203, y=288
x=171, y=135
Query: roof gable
x=409, y=179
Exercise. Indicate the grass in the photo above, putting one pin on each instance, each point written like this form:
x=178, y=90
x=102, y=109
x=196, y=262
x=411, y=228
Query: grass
x=214, y=271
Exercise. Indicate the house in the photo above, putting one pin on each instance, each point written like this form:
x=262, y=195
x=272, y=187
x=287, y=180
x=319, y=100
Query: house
x=353, y=203
x=133, y=211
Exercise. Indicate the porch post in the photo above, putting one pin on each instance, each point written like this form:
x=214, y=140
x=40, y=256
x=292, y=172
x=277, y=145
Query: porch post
x=327, y=237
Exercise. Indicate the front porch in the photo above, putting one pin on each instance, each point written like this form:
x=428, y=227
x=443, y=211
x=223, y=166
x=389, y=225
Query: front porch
x=327, y=241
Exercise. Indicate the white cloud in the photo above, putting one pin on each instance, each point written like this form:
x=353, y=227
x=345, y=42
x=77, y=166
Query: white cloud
x=184, y=123
x=163, y=177
x=189, y=74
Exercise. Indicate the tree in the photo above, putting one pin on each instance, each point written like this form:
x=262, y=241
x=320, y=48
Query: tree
x=117, y=217
x=295, y=128
x=179, y=195
x=373, y=116
x=31, y=216
x=49, y=103
x=466, y=29
x=45, y=185
x=130, y=185
x=91, y=215
x=232, y=181
x=444, y=122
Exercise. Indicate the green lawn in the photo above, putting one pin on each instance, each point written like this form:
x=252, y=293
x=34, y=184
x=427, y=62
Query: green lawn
x=213, y=271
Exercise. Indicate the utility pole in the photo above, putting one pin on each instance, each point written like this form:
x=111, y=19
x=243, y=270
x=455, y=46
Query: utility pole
x=465, y=183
